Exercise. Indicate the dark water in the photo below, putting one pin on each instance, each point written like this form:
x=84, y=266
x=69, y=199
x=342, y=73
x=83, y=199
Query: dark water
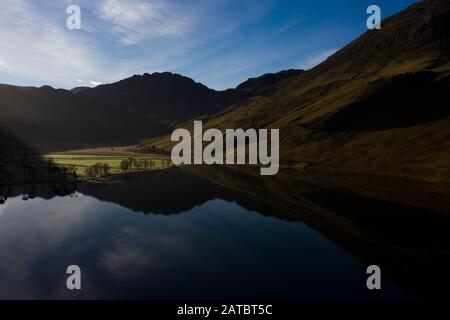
x=190, y=234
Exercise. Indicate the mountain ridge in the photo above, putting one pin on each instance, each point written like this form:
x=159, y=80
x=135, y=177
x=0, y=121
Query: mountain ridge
x=111, y=114
x=327, y=115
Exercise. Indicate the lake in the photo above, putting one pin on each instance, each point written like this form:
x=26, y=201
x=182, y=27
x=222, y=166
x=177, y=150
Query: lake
x=209, y=233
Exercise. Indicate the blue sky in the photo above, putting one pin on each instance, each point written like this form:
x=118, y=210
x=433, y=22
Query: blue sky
x=217, y=42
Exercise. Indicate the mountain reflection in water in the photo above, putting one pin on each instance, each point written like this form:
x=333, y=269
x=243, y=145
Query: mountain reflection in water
x=225, y=233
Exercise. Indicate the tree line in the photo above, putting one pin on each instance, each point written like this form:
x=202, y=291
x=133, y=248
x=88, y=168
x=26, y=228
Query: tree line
x=140, y=164
x=98, y=170
x=102, y=170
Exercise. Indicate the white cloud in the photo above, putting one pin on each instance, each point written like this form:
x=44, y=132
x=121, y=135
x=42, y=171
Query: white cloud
x=94, y=83
x=136, y=20
x=120, y=38
x=39, y=49
x=123, y=13
x=36, y=48
x=315, y=59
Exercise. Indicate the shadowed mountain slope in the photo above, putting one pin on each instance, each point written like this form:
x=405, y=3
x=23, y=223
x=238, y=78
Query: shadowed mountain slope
x=115, y=114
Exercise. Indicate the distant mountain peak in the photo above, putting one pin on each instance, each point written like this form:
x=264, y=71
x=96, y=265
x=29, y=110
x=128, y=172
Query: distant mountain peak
x=267, y=82
x=79, y=89
x=46, y=87
x=421, y=33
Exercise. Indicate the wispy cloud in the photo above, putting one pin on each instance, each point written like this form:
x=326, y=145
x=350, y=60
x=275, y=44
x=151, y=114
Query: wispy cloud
x=41, y=50
x=136, y=20
x=219, y=43
x=315, y=59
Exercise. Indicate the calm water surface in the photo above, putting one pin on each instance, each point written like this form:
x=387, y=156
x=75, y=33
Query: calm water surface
x=144, y=238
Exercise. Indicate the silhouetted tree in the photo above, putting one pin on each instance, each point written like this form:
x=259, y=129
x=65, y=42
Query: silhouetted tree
x=90, y=173
x=106, y=169
x=139, y=164
x=132, y=162
x=124, y=165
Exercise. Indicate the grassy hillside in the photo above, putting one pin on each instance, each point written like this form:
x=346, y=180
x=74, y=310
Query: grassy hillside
x=379, y=105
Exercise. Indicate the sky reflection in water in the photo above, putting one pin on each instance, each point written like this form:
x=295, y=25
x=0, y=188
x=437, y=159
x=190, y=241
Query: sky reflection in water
x=215, y=250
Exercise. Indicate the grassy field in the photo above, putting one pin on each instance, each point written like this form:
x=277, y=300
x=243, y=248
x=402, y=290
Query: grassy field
x=81, y=162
